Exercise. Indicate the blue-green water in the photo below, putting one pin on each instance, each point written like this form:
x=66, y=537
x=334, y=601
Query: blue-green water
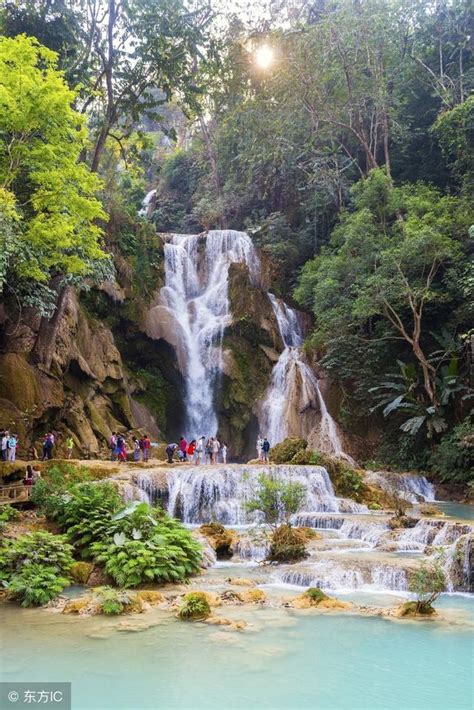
x=283, y=660
x=457, y=510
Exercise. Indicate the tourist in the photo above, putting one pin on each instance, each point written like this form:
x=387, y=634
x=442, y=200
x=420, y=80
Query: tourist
x=119, y=444
x=224, y=452
x=122, y=444
x=145, y=445
x=4, y=445
x=69, y=446
x=170, y=449
x=48, y=446
x=113, y=445
x=136, y=449
x=28, y=480
x=199, y=451
x=191, y=449
x=12, y=444
x=183, y=445
x=265, y=450
x=208, y=450
x=259, y=447
x=215, y=450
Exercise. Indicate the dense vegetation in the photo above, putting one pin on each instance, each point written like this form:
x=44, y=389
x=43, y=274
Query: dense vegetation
x=348, y=159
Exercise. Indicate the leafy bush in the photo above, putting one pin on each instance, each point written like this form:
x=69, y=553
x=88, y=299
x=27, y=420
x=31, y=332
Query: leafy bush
x=453, y=459
x=165, y=553
x=277, y=500
x=194, y=606
x=8, y=514
x=48, y=493
x=427, y=582
x=113, y=601
x=36, y=584
x=306, y=457
x=287, y=449
x=35, y=567
x=87, y=512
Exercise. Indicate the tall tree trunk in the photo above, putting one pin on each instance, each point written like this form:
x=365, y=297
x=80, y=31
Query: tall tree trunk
x=43, y=349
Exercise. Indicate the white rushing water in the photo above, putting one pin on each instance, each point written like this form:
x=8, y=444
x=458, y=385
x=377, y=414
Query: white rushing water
x=294, y=396
x=194, y=304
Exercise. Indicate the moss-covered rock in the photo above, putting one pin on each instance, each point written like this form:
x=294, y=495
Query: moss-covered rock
x=285, y=451
x=315, y=598
x=414, y=608
x=81, y=571
x=194, y=607
x=220, y=539
x=288, y=544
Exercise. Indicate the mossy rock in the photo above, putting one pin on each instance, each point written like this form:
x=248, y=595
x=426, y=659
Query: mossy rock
x=194, y=607
x=414, y=608
x=431, y=510
x=76, y=606
x=19, y=383
x=253, y=596
x=287, y=545
x=150, y=596
x=309, y=533
x=287, y=449
x=315, y=595
x=220, y=539
x=81, y=571
x=374, y=506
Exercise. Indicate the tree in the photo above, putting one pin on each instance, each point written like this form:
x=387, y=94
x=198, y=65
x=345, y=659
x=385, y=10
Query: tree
x=47, y=196
x=277, y=500
x=427, y=582
x=387, y=268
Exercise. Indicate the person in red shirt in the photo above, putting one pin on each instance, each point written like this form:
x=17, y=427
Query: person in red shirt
x=191, y=449
x=145, y=445
x=183, y=446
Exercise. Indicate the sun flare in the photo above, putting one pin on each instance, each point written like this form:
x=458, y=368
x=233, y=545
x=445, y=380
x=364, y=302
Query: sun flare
x=264, y=56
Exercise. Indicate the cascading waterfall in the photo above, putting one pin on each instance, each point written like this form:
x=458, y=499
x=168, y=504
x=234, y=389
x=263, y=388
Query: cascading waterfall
x=412, y=487
x=193, y=312
x=294, y=396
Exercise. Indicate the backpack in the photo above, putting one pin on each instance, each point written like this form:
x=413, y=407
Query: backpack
x=266, y=446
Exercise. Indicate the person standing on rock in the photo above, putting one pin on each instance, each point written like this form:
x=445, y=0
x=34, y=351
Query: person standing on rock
x=136, y=449
x=113, y=445
x=215, y=449
x=208, y=450
x=183, y=445
x=145, y=445
x=224, y=452
x=266, y=450
x=199, y=451
x=69, y=446
x=48, y=446
x=4, y=445
x=170, y=449
x=259, y=447
x=12, y=444
x=191, y=449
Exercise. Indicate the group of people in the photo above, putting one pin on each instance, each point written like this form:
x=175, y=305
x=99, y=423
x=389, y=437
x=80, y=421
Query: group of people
x=9, y=445
x=263, y=448
x=198, y=451
x=118, y=447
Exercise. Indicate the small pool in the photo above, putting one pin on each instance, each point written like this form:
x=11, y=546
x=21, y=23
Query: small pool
x=284, y=660
x=456, y=510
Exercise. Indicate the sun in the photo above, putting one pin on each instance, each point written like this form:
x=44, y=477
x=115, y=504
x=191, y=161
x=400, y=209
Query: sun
x=264, y=56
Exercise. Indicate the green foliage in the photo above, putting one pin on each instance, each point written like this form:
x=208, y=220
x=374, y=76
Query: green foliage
x=453, y=458
x=36, y=584
x=49, y=491
x=147, y=546
x=316, y=595
x=35, y=567
x=50, y=195
x=8, y=513
x=194, y=607
x=112, y=601
x=427, y=583
x=277, y=500
x=287, y=449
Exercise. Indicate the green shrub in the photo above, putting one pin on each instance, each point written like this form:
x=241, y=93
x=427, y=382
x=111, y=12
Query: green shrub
x=427, y=583
x=277, y=500
x=453, y=459
x=113, y=601
x=87, y=512
x=316, y=595
x=194, y=606
x=36, y=584
x=168, y=553
x=287, y=449
x=35, y=567
x=50, y=492
x=8, y=514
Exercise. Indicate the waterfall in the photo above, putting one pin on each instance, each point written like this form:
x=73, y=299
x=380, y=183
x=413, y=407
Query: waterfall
x=294, y=395
x=193, y=312
x=146, y=204
x=197, y=495
x=411, y=486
